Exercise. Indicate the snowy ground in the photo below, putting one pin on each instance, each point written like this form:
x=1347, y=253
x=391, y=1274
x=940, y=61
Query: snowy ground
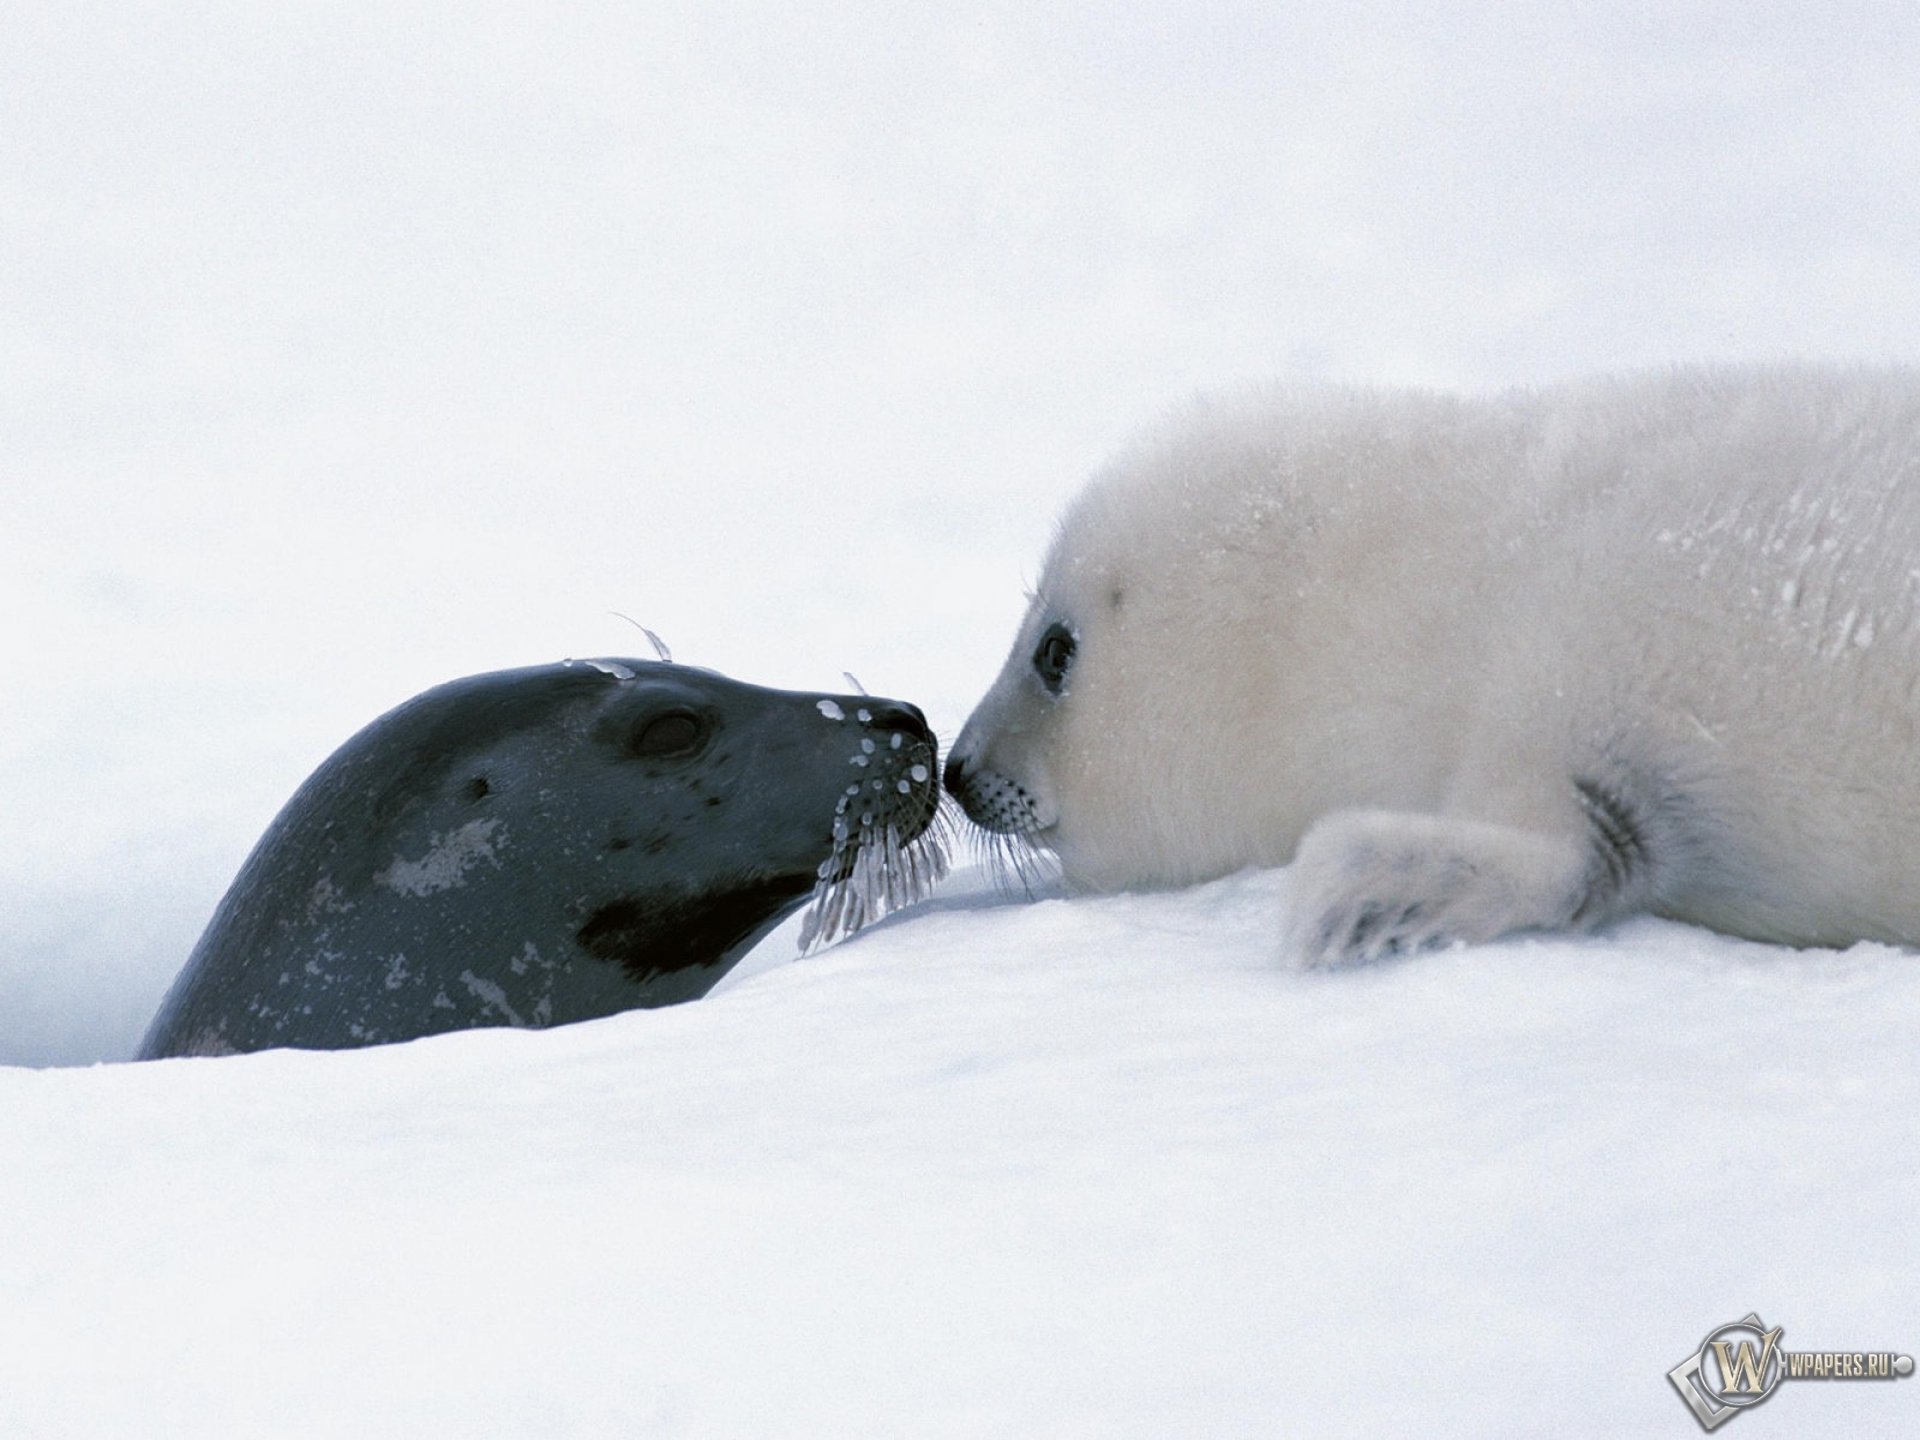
x=345, y=349
x=1072, y=1168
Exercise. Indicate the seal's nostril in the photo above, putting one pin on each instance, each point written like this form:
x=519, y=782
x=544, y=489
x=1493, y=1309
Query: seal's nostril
x=896, y=715
x=954, y=775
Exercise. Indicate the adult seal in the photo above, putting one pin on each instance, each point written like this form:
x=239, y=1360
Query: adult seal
x=539, y=846
x=1530, y=661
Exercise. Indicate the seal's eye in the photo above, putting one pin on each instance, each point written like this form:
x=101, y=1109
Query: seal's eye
x=678, y=732
x=1053, y=655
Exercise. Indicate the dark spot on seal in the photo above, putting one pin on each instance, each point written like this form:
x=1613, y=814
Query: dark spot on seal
x=648, y=939
x=478, y=788
x=713, y=800
x=1114, y=597
x=619, y=844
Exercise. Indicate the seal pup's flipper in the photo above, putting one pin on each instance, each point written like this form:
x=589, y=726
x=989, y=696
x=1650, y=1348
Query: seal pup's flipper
x=1369, y=884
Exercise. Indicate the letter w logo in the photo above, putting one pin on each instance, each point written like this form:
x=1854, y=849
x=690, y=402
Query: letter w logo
x=1740, y=1369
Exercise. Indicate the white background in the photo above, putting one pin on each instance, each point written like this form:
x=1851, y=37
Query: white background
x=346, y=348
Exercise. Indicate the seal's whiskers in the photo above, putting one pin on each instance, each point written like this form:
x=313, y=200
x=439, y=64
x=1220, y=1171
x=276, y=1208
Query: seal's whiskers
x=884, y=875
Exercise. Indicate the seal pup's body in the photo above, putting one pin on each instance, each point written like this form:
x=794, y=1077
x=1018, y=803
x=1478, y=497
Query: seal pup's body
x=1476, y=666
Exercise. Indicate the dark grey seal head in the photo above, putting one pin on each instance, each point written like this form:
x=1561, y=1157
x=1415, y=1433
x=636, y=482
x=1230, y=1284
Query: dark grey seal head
x=539, y=846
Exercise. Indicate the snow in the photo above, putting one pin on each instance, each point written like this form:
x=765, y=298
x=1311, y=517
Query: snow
x=1090, y=1166
x=349, y=349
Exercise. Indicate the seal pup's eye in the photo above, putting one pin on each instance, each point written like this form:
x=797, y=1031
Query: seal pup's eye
x=678, y=732
x=1053, y=655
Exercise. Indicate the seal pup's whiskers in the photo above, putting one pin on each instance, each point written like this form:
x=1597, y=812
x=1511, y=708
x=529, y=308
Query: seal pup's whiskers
x=1018, y=864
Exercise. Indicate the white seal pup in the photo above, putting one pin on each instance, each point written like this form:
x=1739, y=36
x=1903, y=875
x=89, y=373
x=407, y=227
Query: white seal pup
x=1533, y=661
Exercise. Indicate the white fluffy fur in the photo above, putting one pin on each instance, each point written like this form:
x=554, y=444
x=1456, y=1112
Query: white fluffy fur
x=1483, y=665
